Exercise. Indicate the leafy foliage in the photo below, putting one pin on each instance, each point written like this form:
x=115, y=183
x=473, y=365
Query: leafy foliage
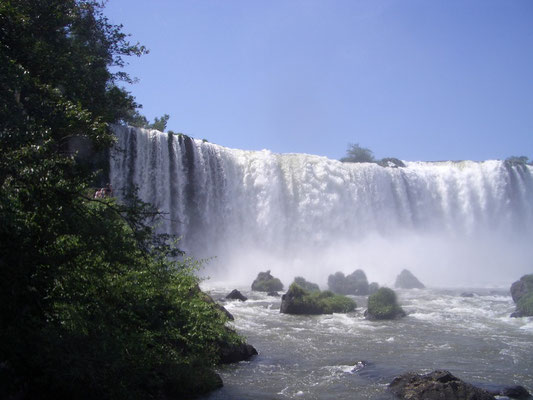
x=383, y=305
x=93, y=305
x=298, y=300
x=358, y=154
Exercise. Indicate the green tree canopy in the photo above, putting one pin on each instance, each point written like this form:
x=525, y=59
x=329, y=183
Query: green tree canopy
x=91, y=304
x=358, y=154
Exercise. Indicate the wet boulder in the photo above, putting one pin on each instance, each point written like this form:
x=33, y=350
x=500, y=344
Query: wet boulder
x=299, y=301
x=355, y=283
x=406, y=280
x=437, y=385
x=236, y=295
x=235, y=352
x=522, y=294
x=265, y=282
x=383, y=305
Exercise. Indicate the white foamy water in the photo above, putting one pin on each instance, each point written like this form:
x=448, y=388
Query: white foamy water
x=344, y=356
x=452, y=223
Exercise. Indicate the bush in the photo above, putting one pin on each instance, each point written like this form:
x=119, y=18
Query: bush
x=265, y=282
x=297, y=300
x=383, y=305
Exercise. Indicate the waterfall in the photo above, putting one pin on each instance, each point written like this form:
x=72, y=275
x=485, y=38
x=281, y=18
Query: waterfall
x=300, y=213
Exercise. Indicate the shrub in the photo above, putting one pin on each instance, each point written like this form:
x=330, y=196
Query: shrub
x=383, y=305
x=265, y=282
x=297, y=300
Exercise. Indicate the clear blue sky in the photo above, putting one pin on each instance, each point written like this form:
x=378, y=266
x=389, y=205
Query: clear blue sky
x=413, y=79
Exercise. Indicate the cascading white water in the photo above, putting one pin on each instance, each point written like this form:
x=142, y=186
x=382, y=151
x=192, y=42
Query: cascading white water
x=450, y=222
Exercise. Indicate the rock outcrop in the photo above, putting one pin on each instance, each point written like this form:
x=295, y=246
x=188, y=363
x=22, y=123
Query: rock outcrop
x=522, y=294
x=265, y=282
x=356, y=283
x=437, y=385
x=235, y=352
x=406, y=280
x=383, y=305
x=236, y=295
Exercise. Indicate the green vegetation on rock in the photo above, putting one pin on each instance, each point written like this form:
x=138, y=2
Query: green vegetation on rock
x=383, y=305
x=93, y=304
x=301, y=301
x=312, y=287
x=265, y=282
x=525, y=305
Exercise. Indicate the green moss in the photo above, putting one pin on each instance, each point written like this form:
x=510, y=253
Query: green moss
x=383, y=305
x=300, y=301
x=525, y=304
x=265, y=282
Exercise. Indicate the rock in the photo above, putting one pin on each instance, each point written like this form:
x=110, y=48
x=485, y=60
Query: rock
x=273, y=294
x=467, y=294
x=406, y=280
x=210, y=300
x=356, y=283
x=232, y=353
x=266, y=283
x=312, y=287
x=303, y=302
x=437, y=385
x=522, y=294
x=513, y=392
x=522, y=287
x=383, y=305
x=391, y=162
x=236, y=295
x=373, y=288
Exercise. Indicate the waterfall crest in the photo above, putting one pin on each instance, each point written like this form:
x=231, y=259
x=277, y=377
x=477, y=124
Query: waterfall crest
x=300, y=212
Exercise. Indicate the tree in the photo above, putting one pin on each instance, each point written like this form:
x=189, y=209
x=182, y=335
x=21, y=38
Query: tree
x=358, y=154
x=93, y=305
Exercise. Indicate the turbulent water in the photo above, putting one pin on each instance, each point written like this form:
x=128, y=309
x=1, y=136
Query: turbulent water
x=319, y=357
x=454, y=224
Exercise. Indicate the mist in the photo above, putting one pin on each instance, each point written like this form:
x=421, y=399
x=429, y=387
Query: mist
x=453, y=224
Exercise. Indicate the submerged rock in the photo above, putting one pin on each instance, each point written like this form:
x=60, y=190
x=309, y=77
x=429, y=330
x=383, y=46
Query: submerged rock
x=300, y=301
x=406, y=280
x=437, y=385
x=467, y=294
x=236, y=295
x=522, y=294
x=265, y=282
x=356, y=283
x=383, y=305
